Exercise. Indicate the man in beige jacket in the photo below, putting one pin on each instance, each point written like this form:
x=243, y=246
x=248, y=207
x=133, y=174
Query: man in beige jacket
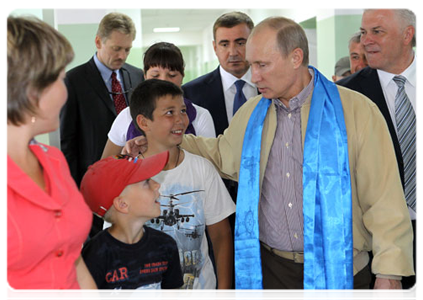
x=277, y=50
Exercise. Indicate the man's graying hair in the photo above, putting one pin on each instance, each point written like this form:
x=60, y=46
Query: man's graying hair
x=355, y=38
x=290, y=36
x=407, y=17
x=115, y=21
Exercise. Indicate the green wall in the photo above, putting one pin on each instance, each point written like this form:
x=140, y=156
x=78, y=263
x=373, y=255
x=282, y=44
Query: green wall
x=333, y=35
x=345, y=27
x=81, y=37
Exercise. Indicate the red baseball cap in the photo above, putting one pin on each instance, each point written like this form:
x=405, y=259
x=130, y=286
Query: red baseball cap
x=106, y=179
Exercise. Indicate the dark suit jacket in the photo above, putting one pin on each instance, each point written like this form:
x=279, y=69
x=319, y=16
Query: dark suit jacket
x=366, y=81
x=207, y=91
x=88, y=114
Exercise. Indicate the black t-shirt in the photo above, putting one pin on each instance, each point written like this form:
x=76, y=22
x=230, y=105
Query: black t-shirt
x=151, y=263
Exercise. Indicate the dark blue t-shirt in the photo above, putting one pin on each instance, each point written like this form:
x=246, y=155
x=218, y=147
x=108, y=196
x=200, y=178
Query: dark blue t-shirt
x=151, y=263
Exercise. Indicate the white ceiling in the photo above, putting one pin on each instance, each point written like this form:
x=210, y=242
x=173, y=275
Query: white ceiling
x=189, y=20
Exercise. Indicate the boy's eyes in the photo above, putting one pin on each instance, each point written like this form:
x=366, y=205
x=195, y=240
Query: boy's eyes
x=171, y=112
x=171, y=75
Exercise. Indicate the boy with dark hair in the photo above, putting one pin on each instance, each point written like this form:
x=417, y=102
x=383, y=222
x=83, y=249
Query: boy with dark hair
x=193, y=195
x=129, y=255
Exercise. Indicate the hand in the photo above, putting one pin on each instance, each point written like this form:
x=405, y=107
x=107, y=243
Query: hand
x=387, y=289
x=135, y=146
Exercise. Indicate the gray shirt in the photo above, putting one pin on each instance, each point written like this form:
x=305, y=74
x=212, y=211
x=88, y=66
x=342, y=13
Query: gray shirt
x=281, y=202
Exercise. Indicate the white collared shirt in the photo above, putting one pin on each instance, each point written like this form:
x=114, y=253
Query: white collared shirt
x=390, y=88
x=229, y=89
x=106, y=74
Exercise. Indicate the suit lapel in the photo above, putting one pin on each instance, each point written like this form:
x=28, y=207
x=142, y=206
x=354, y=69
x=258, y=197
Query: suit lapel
x=127, y=83
x=218, y=99
x=371, y=85
x=373, y=90
x=96, y=81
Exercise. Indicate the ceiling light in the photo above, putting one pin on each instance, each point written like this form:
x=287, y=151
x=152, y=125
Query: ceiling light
x=167, y=29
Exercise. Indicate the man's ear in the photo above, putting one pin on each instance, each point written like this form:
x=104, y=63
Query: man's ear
x=409, y=32
x=120, y=204
x=297, y=57
x=97, y=42
x=143, y=122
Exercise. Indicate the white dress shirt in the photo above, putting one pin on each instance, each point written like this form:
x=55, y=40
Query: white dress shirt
x=229, y=89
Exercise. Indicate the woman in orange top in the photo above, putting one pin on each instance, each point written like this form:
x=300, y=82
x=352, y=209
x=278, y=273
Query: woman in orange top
x=47, y=218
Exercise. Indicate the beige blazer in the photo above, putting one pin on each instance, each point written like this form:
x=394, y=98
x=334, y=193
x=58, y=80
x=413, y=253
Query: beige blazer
x=381, y=222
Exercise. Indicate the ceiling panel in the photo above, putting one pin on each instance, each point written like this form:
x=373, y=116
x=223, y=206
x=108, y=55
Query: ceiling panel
x=189, y=20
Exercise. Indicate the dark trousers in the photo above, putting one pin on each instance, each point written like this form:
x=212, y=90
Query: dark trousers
x=411, y=285
x=281, y=273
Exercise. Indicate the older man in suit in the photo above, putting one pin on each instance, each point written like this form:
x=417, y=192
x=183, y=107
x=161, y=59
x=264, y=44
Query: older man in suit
x=388, y=37
x=216, y=91
x=98, y=90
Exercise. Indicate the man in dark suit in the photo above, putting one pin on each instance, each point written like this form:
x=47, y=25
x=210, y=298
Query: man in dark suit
x=388, y=37
x=95, y=96
x=216, y=91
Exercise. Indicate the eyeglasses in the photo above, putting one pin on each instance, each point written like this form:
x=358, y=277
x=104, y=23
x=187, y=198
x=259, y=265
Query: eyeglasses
x=130, y=85
x=121, y=93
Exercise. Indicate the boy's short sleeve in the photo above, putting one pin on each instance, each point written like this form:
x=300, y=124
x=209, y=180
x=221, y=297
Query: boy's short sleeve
x=119, y=129
x=172, y=278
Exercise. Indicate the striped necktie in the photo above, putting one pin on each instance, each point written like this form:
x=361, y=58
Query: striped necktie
x=406, y=130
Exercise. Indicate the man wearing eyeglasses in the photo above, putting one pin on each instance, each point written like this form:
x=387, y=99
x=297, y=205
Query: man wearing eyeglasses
x=97, y=91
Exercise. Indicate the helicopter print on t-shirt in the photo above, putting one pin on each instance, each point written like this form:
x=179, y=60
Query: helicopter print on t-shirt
x=182, y=217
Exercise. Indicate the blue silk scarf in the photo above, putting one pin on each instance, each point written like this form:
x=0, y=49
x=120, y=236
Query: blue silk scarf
x=327, y=205
x=328, y=257
x=247, y=245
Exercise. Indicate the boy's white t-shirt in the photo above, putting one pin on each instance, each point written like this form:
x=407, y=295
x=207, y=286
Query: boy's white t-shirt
x=199, y=198
x=203, y=125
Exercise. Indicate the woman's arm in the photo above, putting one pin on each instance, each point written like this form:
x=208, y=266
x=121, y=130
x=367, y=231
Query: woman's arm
x=83, y=275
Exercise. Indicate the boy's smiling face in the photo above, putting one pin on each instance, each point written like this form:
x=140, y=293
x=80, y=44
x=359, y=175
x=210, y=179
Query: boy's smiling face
x=170, y=120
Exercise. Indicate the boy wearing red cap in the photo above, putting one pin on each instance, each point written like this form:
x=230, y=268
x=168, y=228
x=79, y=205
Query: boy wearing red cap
x=129, y=255
x=194, y=197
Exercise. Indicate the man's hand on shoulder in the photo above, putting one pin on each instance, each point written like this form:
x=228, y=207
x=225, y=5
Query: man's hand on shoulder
x=387, y=289
x=135, y=146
